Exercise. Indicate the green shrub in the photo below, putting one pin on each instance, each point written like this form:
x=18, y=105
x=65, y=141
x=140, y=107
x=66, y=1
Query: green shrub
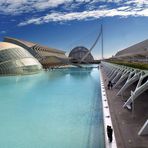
x=142, y=66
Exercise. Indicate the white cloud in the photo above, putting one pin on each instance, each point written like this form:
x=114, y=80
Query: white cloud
x=143, y=12
x=50, y=3
x=14, y=7
x=23, y=6
x=91, y=10
x=93, y=14
x=123, y=8
x=138, y=2
x=3, y=32
x=108, y=1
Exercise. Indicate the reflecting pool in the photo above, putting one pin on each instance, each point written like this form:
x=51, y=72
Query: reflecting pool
x=54, y=109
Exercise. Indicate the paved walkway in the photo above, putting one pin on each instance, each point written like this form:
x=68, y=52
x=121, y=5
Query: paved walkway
x=127, y=124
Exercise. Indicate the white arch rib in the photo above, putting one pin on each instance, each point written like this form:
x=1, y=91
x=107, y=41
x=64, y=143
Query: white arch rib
x=112, y=71
x=138, y=91
x=114, y=74
x=119, y=74
x=129, y=82
x=122, y=78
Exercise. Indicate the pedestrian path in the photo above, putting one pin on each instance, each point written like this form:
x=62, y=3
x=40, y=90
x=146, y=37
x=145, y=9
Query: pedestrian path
x=125, y=126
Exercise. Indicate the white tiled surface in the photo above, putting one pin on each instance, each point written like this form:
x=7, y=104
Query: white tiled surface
x=106, y=116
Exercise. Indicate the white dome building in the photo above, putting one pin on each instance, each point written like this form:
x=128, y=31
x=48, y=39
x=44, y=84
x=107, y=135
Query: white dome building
x=16, y=60
x=45, y=55
x=78, y=53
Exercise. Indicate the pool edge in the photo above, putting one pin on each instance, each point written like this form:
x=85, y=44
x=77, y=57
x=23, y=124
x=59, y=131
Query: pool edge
x=106, y=115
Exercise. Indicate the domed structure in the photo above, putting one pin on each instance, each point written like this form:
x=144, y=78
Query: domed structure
x=78, y=53
x=16, y=60
x=45, y=55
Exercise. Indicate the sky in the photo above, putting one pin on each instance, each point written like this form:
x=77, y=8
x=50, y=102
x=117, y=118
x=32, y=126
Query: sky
x=65, y=24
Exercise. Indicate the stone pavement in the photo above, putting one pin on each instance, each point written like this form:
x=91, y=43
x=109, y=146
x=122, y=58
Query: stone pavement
x=127, y=124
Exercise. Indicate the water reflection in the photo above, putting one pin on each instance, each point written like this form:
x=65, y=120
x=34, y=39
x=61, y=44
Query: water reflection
x=54, y=109
x=56, y=73
x=22, y=81
x=95, y=135
x=78, y=73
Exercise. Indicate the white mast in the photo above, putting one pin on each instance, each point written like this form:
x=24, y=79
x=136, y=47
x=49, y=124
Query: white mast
x=102, y=45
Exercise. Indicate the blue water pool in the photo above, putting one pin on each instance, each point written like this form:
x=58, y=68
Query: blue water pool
x=55, y=109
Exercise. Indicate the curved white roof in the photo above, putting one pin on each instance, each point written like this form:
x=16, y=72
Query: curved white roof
x=27, y=44
x=137, y=49
x=6, y=45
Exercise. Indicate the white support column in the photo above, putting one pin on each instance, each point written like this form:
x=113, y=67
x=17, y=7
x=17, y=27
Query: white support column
x=144, y=129
x=122, y=78
x=136, y=93
x=129, y=82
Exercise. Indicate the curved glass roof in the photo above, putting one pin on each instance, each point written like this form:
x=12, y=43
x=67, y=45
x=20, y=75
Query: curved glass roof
x=16, y=60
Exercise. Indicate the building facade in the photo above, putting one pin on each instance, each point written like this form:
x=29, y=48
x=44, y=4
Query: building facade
x=15, y=60
x=45, y=55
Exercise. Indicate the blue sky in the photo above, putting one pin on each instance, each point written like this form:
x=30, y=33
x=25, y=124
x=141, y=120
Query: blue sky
x=64, y=24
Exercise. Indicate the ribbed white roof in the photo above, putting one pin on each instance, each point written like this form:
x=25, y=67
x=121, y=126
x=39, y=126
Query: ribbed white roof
x=31, y=45
x=6, y=45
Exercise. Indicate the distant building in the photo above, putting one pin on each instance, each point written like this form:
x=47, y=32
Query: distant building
x=45, y=55
x=16, y=60
x=137, y=52
x=78, y=53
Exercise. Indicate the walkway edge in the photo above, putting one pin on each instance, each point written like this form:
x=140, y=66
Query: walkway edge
x=106, y=115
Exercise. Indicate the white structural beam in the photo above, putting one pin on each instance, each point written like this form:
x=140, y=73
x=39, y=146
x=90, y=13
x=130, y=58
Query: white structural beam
x=144, y=129
x=108, y=70
x=138, y=91
x=114, y=74
x=122, y=78
x=129, y=82
x=118, y=76
x=141, y=79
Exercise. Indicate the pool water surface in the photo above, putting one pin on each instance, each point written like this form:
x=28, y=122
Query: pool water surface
x=55, y=109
